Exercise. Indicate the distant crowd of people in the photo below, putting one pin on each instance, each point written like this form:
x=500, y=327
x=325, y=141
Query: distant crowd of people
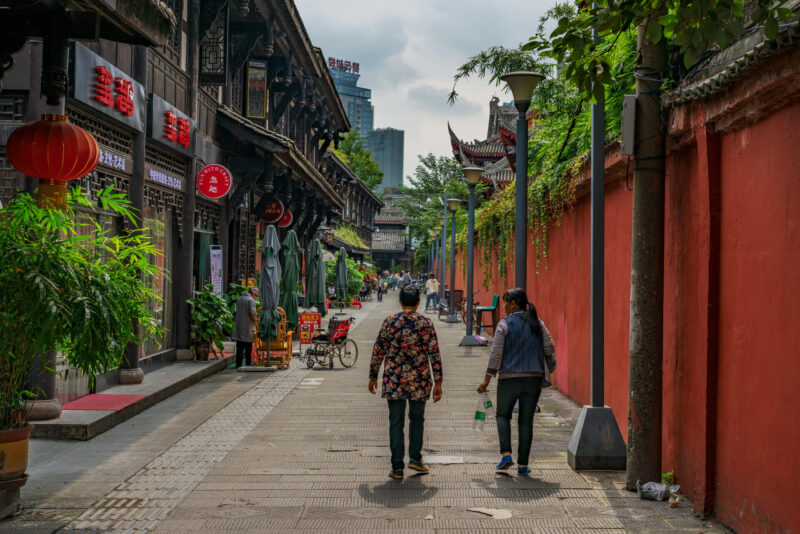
x=386, y=281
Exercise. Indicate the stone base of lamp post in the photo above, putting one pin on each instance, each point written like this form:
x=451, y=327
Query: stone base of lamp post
x=469, y=341
x=452, y=319
x=131, y=376
x=43, y=410
x=596, y=443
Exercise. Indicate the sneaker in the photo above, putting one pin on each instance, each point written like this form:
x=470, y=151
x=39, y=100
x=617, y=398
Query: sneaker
x=523, y=470
x=505, y=463
x=396, y=474
x=418, y=466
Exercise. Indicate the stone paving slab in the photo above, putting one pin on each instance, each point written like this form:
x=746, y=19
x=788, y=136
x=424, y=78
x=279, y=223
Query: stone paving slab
x=307, y=451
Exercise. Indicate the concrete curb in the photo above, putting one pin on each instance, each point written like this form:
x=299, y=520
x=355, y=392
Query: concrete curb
x=83, y=425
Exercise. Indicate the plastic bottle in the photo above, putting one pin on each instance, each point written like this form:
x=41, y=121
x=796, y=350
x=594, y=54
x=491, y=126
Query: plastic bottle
x=483, y=407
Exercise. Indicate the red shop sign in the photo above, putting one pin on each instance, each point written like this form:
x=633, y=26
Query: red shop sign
x=286, y=220
x=214, y=181
x=274, y=211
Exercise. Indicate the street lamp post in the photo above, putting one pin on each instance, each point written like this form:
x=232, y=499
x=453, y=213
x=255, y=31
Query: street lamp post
x=522, y=84
x=473, y=175
x=443, y=252
x=452, y=205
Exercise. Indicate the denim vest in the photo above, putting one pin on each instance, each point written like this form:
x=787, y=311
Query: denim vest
x=523, y=351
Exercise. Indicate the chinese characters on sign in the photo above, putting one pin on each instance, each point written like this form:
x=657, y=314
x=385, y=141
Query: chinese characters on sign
x=273, y=211
x=214, y=181
x=112, y=160
x=102, y=86
x=177, y=129
x=344, y=66
x=308, y=323
x=122, y=100
x=165, y=179
x=216, y=268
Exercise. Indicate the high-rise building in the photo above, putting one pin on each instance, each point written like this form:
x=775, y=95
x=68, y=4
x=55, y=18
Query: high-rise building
x=356, y=100
x=386, y=146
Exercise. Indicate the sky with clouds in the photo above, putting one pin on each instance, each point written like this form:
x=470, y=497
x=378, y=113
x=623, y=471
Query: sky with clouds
x=408, y=53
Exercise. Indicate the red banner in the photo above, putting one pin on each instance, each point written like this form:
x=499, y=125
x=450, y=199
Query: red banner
x=308, y=323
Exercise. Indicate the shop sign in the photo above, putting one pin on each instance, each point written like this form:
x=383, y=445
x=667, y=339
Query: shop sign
x=286, y=220
x=169, y=127
x=215, y=260
x=166, y=179
x=102, y=86
x=344, y=66
x=273, y=212
x=214, y=181
x=115, y=161
x=308, y=323
x=256, y=90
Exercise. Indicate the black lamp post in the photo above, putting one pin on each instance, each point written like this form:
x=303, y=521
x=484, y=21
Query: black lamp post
x=473, y=175
x=452, y=205
x=522, y=84
x=443, y=252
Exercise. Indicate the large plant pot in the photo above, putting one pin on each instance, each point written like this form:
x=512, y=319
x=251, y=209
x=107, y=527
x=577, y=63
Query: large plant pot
x=13, y=463
x=201, y=350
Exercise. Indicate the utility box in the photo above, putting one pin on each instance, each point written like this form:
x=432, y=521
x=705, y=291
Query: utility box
x=627, y=135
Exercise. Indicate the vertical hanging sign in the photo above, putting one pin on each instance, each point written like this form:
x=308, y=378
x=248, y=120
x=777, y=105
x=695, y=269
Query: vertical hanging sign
x=216, y=268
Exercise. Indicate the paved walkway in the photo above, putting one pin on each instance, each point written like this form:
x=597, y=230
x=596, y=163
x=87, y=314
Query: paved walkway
x=307, y=450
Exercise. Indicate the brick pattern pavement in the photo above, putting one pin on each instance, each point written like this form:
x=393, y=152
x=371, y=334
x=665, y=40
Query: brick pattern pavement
x=307, y=450
x=319, y=462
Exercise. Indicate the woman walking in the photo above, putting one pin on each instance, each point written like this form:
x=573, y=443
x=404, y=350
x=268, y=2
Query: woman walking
x=522, y=348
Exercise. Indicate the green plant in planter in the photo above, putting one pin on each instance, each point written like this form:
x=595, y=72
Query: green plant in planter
x=234, y=292
x=211, y=318
x=71, y=287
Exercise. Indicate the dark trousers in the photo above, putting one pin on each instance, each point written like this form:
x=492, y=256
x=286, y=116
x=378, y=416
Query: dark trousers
x=397, y=422
x=380, y=295
x=527, y=391
x=243, y=349
x=434, y=297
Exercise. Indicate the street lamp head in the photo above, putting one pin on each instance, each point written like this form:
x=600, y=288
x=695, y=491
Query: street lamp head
x=522, y=83
x=473, y=175
x=441, y=219
x=453, y=204
x=437, y=231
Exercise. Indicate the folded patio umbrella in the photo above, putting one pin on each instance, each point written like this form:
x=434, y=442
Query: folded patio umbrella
x=315, y=278
x=291, y=272
x=340, y=284
x=269, y=286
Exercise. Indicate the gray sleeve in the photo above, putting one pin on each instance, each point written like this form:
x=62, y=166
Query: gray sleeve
x=496, y=357
x=253, y=308
x=549, y=346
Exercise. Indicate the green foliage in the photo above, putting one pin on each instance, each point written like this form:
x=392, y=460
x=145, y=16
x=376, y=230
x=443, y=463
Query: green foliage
x=352, y=152
x=693, y=27
x=668, y=478
x=556, y=150
x=212, y=318
x=66, y=291
x=355, y=278
x=348, y=234
x=423, y=204
x=396, y=269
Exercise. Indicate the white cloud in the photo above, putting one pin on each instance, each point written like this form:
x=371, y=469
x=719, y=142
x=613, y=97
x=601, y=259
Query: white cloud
x=408, y=52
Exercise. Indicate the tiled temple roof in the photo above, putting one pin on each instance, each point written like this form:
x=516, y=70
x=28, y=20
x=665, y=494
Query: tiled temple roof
x=389, y=241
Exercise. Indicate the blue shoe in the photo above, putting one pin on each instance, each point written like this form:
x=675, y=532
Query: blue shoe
x=505, y=463
x=523, y=470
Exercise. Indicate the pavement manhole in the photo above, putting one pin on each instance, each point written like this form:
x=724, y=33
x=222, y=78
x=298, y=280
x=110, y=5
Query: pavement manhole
x=235, y=513
x=367, y=513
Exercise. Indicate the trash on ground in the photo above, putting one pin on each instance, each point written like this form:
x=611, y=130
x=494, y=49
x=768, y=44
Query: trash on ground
x=481, y=340
x=494, y=512
x=653, y=491
x=673, y=501
x=429, y=517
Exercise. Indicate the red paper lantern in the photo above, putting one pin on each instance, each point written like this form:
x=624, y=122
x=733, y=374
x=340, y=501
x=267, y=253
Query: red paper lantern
x=54, y=151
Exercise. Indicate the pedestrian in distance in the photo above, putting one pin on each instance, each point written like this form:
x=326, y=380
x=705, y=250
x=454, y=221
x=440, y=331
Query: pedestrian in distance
x=245, y=325
x=377, y=285
x=408, y=348
x=522, y=348
x=401, y=280
x=431, y=293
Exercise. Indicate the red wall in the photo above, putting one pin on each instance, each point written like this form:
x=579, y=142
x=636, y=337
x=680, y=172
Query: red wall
x=731, y=425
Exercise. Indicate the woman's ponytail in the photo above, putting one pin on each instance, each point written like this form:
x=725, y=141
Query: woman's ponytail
x=520, y=298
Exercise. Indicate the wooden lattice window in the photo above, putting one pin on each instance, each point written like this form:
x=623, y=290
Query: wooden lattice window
x=9, y=180
x=12, y=107
x=159, y=158
x=173, y=47
x=105, y=134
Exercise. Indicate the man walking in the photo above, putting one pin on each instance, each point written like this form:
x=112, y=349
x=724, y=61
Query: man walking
x=408, y=348
x=245, y=325
x=432, y=293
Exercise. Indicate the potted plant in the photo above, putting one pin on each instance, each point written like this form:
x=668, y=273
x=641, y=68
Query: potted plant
x=68, y=286
x=212, y=320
